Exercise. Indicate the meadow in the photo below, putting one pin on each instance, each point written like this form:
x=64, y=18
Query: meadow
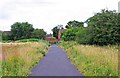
x=20, y=57
x=93, y=60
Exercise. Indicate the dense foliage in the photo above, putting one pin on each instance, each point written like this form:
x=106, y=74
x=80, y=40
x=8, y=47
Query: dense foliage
x=6, y=36
x=103, y=29
x=38, y=33
x=55, y=32
x=70, y=34
x=21, y=30
x=84, y=36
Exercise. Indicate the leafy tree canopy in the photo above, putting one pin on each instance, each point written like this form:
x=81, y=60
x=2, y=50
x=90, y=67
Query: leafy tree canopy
x=105, y=27
x=39, y=34
x=21, y=30
x=70, y=34
x=74, y=24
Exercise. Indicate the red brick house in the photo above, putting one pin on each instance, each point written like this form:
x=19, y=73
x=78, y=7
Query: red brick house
x=49, y=36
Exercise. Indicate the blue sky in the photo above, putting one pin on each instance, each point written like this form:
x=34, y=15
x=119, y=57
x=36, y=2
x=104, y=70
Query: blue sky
x=46, y=14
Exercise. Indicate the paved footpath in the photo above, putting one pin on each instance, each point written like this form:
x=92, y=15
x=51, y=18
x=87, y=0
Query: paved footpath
x=55, y=63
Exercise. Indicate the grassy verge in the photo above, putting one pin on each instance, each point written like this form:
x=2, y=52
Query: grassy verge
x=93, y=60
x=20, y=58
x=29, y=40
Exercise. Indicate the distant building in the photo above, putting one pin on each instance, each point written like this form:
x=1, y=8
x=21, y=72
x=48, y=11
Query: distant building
x=48, y=37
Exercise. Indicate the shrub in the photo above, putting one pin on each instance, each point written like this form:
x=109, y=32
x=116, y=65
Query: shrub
x=84, y=36
x=70, y=34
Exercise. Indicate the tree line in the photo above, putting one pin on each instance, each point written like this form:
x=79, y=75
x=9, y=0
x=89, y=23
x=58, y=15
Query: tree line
x=23, y=30
x=102, y=29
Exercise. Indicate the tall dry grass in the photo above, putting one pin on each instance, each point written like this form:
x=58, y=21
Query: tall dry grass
x=20, y=58
x=93, y=60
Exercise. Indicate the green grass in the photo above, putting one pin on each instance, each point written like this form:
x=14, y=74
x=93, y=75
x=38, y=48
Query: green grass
x=28, y=40
x=93, y=60
x=22, y=40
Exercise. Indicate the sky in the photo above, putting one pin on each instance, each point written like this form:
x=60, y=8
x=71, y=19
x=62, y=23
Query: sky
x=46, y=14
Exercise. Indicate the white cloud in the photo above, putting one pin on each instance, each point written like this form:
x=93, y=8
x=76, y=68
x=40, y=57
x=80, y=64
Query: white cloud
x=48, y=13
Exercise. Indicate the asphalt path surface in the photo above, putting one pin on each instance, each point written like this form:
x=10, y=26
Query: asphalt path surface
x=55, y=63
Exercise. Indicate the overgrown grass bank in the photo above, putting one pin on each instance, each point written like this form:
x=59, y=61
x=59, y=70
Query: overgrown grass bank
x=93, y=60
x=20, y=58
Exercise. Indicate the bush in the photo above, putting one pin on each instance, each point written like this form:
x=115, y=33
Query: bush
x=84, y=36
x=70, y=34
x=105, y=28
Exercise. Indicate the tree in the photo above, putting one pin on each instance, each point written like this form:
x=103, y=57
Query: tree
x=72, y=28
x=56, y=30
x=105, y=27
x=70, y=34
x=74, y=24
x=6, y=35
x=39, y=34
x=21, y=30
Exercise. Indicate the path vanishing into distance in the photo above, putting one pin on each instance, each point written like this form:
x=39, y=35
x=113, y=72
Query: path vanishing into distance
x=55, y=63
